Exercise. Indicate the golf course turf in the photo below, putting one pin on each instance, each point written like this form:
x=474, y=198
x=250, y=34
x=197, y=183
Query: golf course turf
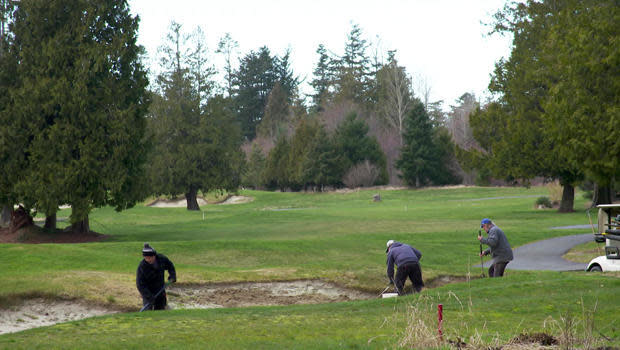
x=336, y=237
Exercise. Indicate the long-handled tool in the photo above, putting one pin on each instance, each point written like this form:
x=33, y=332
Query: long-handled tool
x=386, y=288
x=149, y=304
x=481, y=261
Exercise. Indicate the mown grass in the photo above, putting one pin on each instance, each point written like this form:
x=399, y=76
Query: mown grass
x=496, y=310
x=338, y=237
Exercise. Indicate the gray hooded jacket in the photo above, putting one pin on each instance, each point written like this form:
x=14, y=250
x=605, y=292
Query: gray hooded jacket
x=498, y=245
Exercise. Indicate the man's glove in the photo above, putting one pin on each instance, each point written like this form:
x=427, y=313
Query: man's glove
x=172, y=279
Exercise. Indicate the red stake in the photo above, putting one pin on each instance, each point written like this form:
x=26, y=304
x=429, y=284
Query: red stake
x=440, y=320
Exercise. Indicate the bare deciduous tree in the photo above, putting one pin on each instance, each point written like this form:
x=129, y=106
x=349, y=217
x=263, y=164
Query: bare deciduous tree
x=458, y=122
x=397, y=96
x=422, y=88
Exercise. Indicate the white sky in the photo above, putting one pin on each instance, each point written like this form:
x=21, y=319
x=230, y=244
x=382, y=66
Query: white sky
x=441, y=40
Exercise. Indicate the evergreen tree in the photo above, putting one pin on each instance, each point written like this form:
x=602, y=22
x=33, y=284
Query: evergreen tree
x=322, y=165
x=519, y=143
x=276, y=172
x=197, y=143
x=277, y=114
x=427, y=152
x=257, y=75
x=80, y=100
x=323, y=80
x=12, y=144
x=352, y=143
x=254, y=172
x=354, y=76
x=581, y=110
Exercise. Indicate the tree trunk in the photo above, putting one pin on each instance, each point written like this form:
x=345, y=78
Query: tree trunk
x=5, y=216
x=50, y=222
x=81, y=226
x=602, y=195
x=192, y=201
x=568, y=199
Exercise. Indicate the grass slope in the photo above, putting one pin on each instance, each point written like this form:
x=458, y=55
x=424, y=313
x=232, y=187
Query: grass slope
x=281, y=236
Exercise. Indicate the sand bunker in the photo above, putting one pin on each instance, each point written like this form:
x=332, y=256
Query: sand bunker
x=174, y=203
x=267, y=293
x=39, y=312
x=237, y=200
x=182, y=203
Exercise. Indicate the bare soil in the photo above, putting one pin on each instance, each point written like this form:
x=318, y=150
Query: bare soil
x=34, y=234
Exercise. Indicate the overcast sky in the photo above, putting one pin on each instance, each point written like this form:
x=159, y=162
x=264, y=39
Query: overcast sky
x=441, y=40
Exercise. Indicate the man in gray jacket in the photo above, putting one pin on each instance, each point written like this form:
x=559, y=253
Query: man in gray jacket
x=498, y=247
x=407, y=259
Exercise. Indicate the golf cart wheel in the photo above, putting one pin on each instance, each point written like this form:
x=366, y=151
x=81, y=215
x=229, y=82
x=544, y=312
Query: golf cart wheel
x=595, y=268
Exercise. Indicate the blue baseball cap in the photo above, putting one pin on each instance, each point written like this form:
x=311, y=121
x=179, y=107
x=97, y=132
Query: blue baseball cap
x=485, y=221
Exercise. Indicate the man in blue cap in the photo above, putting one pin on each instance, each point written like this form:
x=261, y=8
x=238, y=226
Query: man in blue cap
x=499, y=247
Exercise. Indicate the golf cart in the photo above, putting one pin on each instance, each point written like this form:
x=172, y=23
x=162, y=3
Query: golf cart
x=608, y=232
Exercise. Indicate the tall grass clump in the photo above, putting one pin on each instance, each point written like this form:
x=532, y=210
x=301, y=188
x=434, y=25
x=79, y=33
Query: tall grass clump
x=577, y=331
x=555, y=191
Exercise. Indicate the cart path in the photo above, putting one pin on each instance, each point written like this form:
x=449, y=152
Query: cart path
x=547, y=254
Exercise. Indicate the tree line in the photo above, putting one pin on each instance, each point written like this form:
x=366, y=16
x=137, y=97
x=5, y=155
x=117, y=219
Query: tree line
x=81, y=125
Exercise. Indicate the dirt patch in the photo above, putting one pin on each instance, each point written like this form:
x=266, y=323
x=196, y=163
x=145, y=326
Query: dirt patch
x=40, y=312
x=535, y=338
x=443, y=280
x=33, y=234
x=263, y=293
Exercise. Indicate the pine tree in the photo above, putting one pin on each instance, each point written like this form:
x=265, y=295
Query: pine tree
x=354, y=76
x=323, y=80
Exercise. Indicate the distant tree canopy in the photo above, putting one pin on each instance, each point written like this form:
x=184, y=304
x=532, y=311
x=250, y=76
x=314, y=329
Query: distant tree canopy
x=257, y=75
x=313, y=159
x=72, y=107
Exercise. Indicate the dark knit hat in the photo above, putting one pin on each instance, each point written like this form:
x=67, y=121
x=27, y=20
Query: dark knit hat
x=147, y=250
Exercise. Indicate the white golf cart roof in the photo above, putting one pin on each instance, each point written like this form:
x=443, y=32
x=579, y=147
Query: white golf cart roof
x=617, y=205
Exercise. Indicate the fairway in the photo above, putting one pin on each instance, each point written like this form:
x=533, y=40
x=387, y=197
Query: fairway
x=335, y=239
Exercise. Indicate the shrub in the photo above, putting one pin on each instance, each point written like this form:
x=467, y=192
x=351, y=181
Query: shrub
x=544, y=202
x=361, y=175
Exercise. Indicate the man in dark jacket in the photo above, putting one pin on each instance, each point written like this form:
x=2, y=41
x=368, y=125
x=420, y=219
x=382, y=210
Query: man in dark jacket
x=498, y=247
x=150, y=278
x=407, y=259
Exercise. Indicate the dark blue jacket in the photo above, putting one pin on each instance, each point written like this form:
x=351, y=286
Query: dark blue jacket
x=401, y=254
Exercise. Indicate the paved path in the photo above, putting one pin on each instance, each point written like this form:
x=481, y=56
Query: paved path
x=547, y=254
